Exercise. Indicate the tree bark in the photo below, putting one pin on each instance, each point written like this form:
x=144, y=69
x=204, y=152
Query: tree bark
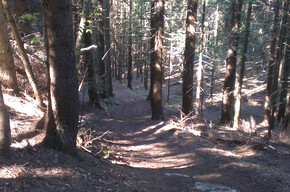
x=156, y=76
x=107, y=56
x=271, y=66
x=229, y=85
x=130, y=48
x=27, y=66
x=5, y=133
x=188, y=64
x=62, y=115
x=286, y=66
x=242, y=71
x=199, y=75
x=82, y=30
x=7, y=67
x=287, y=70
x=101, y=50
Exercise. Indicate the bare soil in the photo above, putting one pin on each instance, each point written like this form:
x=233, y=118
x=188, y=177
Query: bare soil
x=122, y=149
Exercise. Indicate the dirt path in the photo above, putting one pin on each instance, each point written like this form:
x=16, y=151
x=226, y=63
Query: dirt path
x=151, y=156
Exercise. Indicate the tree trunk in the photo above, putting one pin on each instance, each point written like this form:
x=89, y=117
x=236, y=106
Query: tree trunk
x=286, y=86
x=82, y=30
x=27, y=66
x=212, y=81
x=271, y=66
x=101, y=50
x=242, y=64
x=229, y=85
x=5, y=133
x=156, y=76
x=152, y=50
x=7, y=67
x=62, y=115
x=130, y=48
x=199, y=75
x=286, y=67
x=107, y=56
x=92, y=72
x=188, y=63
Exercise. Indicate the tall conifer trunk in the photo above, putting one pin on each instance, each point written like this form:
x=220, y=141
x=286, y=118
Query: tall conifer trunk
x=156, y=76
x=62, y=116
x=229, y=84
x=187, y=76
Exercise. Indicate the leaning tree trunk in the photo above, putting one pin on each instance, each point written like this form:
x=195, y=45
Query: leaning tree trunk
x=242, y=64
x=156, y=76
x=188, y=64
x=5, y=138
x=7, y=67
x=229, y=85
x=27, y=66
x=199, y=75
x=62, y=116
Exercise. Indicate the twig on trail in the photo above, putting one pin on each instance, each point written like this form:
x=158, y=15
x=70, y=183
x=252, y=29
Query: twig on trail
x=91, y=153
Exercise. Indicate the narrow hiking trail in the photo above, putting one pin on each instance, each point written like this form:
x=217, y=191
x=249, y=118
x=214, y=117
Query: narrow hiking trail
x=152, y=156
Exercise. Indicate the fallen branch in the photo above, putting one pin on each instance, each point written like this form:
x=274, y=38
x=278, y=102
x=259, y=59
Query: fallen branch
x=89, y=48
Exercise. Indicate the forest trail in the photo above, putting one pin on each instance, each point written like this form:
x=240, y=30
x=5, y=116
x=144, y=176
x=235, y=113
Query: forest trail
x=151, y=156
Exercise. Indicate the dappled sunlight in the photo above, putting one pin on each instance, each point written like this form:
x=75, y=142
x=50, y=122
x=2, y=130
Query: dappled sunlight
x=18, y=171
x=210, y=176
x=146, y=129
x=226, y=153
x=27, y=106
x=239, y=164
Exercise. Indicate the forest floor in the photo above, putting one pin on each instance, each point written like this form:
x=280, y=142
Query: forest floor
x=122, y=149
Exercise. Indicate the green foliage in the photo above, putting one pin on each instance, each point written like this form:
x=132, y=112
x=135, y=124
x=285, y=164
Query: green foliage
x=34, y=40
x=28, y=17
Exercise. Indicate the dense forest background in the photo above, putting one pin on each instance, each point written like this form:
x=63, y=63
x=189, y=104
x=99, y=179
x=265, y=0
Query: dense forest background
x=84, y=76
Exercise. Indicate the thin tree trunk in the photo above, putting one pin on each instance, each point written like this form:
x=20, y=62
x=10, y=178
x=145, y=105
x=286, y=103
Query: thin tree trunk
x=27, y=66
x=156, y=76
x=275, y=80
x=284, y=85
x=199, y=75
x=82, y=30
x=215, y=49
x=271, y=66
x=170, y=71
x=242, y=64
x=107, y=59
x=5, y=133
x=130, y=48
x=7, y=66
x=92, y=72
x=101, y=50
x=229, y=85
x=188, y=64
